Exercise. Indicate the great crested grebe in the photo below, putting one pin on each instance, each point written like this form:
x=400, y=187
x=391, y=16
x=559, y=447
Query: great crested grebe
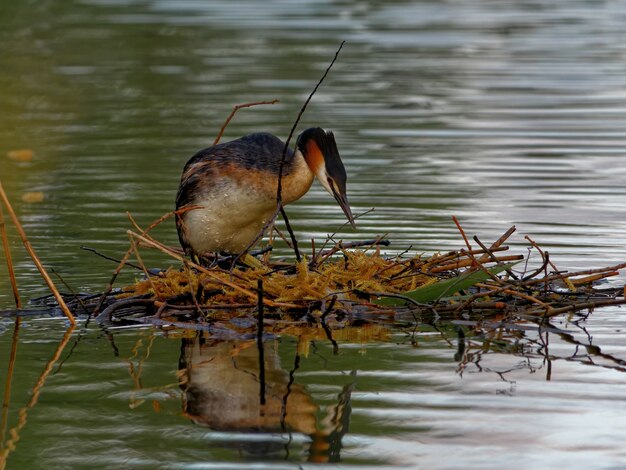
x=235, y=185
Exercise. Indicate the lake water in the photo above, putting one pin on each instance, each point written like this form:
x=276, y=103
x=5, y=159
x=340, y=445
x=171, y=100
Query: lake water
x=500, y=113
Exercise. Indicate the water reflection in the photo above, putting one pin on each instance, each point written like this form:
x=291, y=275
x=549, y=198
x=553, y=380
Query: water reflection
x=222, y=388
x=9, y=440
x=225, y=390
x=320, y=406
x=530, y=342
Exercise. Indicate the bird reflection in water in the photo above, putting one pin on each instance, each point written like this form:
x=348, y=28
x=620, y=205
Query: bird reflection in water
x=221, y=384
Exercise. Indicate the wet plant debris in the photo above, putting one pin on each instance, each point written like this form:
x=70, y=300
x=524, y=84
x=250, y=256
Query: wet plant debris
x=349, y=285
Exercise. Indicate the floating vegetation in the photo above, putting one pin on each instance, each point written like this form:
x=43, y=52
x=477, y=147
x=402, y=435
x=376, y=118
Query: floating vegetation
x=33, y=197
x=349, y=286
x=20, y=155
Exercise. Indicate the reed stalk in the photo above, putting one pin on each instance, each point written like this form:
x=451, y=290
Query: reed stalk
x=35, y=258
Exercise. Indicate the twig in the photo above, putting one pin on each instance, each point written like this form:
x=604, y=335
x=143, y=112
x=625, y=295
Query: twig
x=561, y=275
x=135, y=249
x=7, y=255
x=503, y=238
x=458, y=226
x=581, y=306
x=325, y=327
x=159, y=246
x=107, y=313
x=329, y=307
x=282, y=236
x=330, y=237
x=492, y=290
x=329, y=253
x=338, y=247
x=615, y=267
x=159, y=304
x=109, y=286
x=279, y=190
x=493, y=257
x=124, y=259
x=72, y=292
x=33, y=255
x=529, y=298
x=437, y=259
x=294, y=240
x=193, y=292
x=140, y=230
x=279, y=197
x=546, y=259
x=259, y=342
x=481, y=267
x=109, y=258
x=564, y=279
x=468, y=262
x=232, y=114
x=593, y=278
x=177, y=212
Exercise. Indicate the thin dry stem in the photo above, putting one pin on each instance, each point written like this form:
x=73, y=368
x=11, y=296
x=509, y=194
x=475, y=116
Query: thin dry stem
x=462, y=232
x=563, y=278
x=35, y=258
x=593, y=278
x=123, y=261
x=9, y=259
x=468, y=262
x=109, y=286
x=480, y=266
x=135, y=250
x=236, y=108
x=499, y=242
x=527, y=297
x=493, y=257
x=279, y=191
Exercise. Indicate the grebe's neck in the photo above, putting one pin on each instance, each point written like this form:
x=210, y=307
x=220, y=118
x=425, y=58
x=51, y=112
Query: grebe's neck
x=297, y=178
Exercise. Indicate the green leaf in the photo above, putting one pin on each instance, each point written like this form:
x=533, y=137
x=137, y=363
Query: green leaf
x=445, y=288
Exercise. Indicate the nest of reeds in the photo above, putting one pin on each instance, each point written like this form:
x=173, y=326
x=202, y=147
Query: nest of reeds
x=354, y=284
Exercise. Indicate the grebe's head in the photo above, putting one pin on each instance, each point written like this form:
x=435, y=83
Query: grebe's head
x=320, y=152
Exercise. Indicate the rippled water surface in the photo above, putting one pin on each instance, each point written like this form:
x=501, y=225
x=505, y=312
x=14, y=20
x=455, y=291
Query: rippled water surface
x=500, y=113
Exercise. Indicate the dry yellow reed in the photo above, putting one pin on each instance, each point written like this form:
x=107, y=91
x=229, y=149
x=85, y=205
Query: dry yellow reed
x=35, y=258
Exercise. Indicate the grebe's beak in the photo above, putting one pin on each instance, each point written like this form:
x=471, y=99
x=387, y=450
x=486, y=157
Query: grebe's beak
x=342, y=200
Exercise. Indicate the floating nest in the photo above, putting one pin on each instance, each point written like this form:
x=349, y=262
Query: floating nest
x=351, y=287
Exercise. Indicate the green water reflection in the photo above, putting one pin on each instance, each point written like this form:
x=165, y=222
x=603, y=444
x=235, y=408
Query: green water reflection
x=146, y=398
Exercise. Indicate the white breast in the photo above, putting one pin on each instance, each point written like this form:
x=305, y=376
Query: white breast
x=228, y=223
x=238, y=205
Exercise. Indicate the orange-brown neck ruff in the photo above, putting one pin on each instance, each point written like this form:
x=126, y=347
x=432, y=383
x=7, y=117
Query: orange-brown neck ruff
x=313, y=156
x=297, y=180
